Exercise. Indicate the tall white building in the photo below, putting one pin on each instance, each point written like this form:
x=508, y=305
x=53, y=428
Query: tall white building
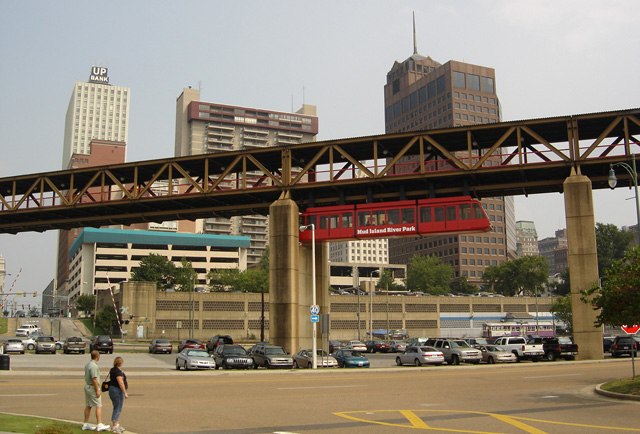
x=97, y=110
x=527, y=238
x=373, y=251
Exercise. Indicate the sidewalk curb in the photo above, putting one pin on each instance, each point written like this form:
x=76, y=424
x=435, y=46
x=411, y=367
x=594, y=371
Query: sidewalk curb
x=615, y=395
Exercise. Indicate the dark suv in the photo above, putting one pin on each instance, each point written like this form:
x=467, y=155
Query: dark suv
x=218, y=340
x=624, y=345
x=102, y=343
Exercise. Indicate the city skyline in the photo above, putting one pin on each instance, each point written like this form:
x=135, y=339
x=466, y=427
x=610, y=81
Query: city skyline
x=550, y=59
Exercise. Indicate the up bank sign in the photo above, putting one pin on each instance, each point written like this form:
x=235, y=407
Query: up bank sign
x=99, y=74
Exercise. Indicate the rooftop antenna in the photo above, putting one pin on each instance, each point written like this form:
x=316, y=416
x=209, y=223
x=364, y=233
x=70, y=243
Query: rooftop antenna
x=415, y=45
x=303, y=99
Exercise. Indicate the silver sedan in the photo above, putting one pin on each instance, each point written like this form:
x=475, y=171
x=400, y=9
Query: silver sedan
x=14, y=345
x=419, y=356
x=496, y=354
x=304, y=359
x=190, y=358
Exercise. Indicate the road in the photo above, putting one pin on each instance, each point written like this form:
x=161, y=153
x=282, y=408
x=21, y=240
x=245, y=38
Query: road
x=527, y=397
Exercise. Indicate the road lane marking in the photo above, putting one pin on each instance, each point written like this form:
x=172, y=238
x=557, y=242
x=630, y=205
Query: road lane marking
x=320, y=387
x=13, y=395
x=414, y=419
x=516, y=423
x=552, y=376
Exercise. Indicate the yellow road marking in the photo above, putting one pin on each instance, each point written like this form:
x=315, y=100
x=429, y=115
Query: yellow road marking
x=512, y=421
x=413, y=418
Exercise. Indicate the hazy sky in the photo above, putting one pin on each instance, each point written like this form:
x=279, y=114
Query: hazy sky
x=551, y=58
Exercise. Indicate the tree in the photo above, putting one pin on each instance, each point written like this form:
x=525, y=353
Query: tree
x=611, y=244
x=106, y=320
x=155, y=268
x=526, y=275
x=387, y=281
x=252, y=280
x=461, y=285
x=561, y=308
x=185, y=276
x=618, y=299
x=563, y=287
x=428, y=274
x=86, y=303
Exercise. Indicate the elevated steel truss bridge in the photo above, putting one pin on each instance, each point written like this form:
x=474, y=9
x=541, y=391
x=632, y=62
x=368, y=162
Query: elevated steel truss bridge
x=509, y=158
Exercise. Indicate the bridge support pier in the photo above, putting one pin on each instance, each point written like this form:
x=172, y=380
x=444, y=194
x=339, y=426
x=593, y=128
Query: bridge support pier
x=290, y=279
x=583, y=262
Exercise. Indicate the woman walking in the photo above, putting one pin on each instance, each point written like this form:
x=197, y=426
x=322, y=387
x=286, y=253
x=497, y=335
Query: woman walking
x=117, y=393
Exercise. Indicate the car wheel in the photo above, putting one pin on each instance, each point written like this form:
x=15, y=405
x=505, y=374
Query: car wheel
x=455, y=360
x=551, y=357
x=53, y=352
x=185, y=366
x=517, y=356
x=295, y=364
x=398, y=361
x=418, y=362
x=490, y=360
x=267, y=365
x=110, y=351
x=82, y=351
x=31, y=347
x=21, y=352
x=535, y=359
x=177, y=365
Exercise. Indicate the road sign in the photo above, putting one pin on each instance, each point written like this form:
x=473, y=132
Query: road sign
x=315, y=318
x=315, y=309
x=630, y=330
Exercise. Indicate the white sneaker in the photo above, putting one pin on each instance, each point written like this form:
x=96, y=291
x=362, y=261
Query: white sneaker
x=88, y=427
x=102, y=427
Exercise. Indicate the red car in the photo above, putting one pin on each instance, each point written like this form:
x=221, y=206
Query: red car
x=191, y=343
x=378, y=347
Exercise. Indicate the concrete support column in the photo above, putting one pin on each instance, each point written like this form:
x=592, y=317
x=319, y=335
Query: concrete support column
x=305, y=296
x=283, y=274
x=583, y=263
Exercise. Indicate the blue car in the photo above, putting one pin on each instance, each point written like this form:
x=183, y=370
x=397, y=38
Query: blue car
x=348, y=358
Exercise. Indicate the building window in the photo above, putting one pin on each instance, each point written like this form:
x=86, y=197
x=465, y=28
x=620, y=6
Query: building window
x=487, y=84
x=473, y=82
x=458, y=79
x=440, y=84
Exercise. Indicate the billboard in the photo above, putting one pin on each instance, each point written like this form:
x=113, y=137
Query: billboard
x=99, y=74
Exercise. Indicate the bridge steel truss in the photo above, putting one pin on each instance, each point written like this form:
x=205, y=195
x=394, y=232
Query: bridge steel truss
x=509, y=158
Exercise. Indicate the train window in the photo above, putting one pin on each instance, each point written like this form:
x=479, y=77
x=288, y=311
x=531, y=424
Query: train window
x=425, y=214
x=465, y=211
x=378, y=218
x=347, y=220
x=408, y=215
x=323, y=222
x=477, y=211
x=364, y=218
x=439, y=214
x=451, y=213
x=333, y=221
x=393, y=216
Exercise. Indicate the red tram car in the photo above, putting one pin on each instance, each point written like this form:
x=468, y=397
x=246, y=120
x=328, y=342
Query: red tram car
x=395, y=219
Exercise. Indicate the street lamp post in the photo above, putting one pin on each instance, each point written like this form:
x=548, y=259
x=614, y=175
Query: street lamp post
x=613, y=181
x=371, y=288
x=314, y=326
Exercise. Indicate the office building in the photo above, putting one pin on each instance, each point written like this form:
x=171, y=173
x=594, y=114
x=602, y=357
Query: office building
x=556, y=250
x=204, y=127
x=420, y=94
x=97, y=111
x=527, y=238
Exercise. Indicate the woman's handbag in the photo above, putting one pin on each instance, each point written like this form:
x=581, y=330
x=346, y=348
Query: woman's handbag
x=105, y=384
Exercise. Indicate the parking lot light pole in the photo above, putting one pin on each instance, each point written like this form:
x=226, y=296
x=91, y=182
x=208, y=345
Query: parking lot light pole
x=314, y=325
x=613, y=181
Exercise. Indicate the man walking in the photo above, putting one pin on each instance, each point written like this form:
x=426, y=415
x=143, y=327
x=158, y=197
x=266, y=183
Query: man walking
x=92, y=393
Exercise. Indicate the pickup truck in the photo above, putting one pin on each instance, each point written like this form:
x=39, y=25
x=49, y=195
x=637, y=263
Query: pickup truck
x=522, y=348
x=74, y=345
x=558, y=347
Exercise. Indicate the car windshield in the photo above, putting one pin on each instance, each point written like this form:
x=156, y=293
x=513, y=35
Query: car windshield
x=352, y=353
x=45, y=339
x=14, y=341
x=234, y=351
x=459, y=344
x=564, y=340
x=197, y=353
x=498, y=348
x=162, y=341
x=74, y=339
x=104, y=338
x=274, y=351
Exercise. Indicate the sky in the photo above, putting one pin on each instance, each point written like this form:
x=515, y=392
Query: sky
x=551, y=58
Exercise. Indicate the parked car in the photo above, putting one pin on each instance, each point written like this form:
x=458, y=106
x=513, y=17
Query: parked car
x=496, y=354
x=74, y=344
x=456, y=351
x=356, y=345
x=28, y=342
x=271, y=356
x=160, y=346
x=607, y=341
x=13, y=345
x=335, y=345
x=350, y=358
x=477, y=342
x=218, y=340
x=377, y=347
x=304, y=359
x=194, y=358
x=397, y=346
x=45, y=344
x=559, y=347
x=624, y=345
x=229, y=356
x=419, y=356
x=195, y=344
x=102, y=343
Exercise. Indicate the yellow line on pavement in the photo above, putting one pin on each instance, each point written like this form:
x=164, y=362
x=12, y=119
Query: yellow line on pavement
x=413, y=418
x=512, y=421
